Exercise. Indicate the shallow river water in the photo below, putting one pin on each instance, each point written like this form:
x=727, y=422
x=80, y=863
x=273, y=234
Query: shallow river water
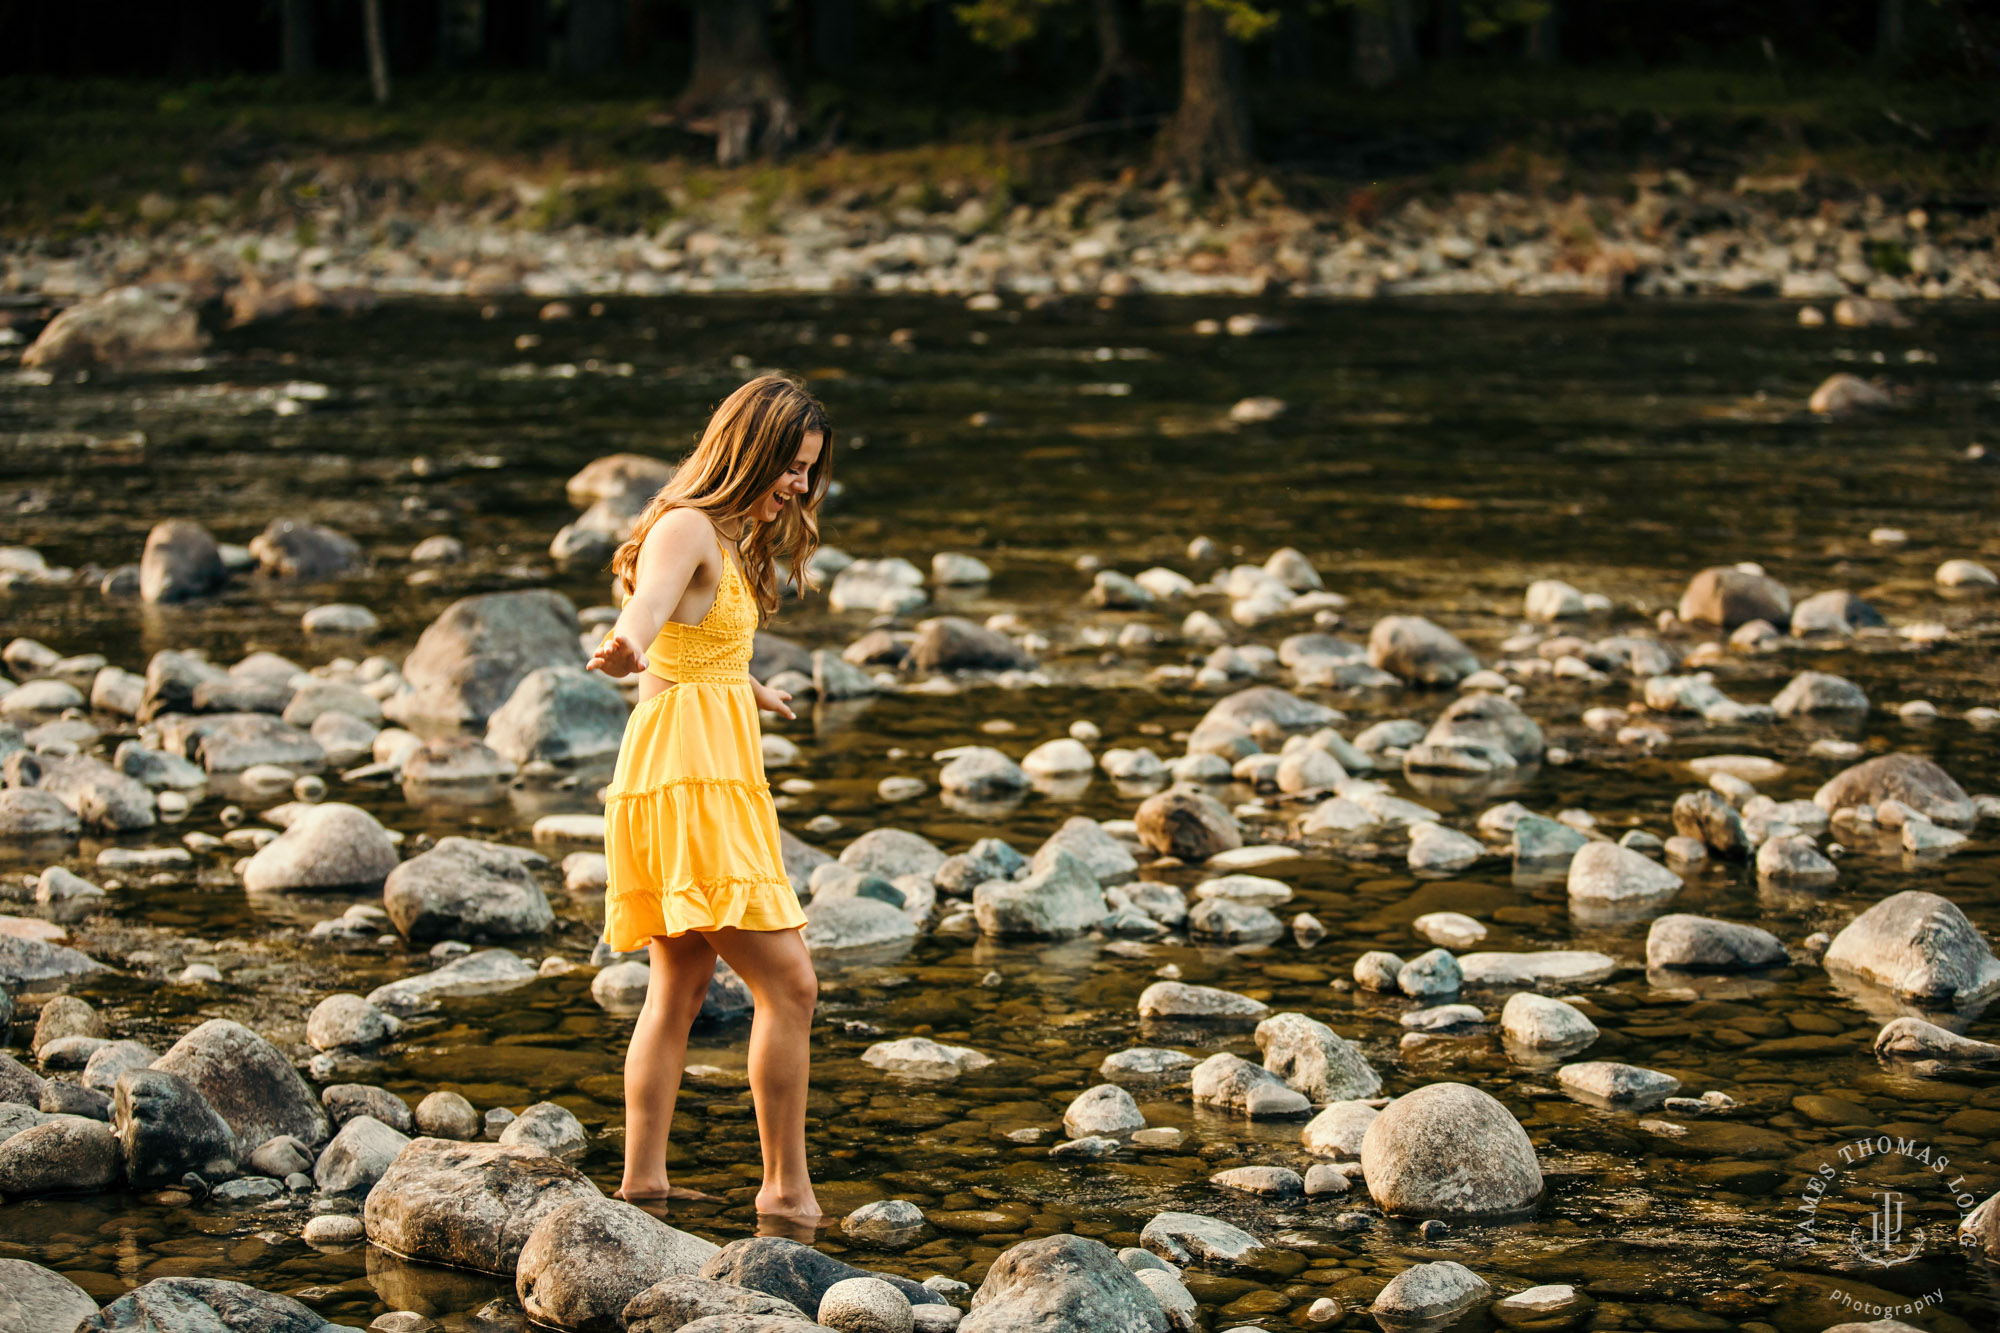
x=1436, y=459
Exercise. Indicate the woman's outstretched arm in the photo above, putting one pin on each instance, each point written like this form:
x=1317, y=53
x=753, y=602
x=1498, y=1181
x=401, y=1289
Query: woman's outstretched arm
x=668, y=558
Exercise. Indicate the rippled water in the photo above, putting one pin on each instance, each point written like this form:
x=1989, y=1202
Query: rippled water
x=1437, y=458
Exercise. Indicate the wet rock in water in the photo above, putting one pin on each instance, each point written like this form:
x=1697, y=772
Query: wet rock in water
x=1175, y=999
x=1451, y=930
x=464, y=889
x=1451, y=1151
x=1196, y=1238
x=280, y=1158
x=1547, y=967
x=235, y=742
x=920, y=1057
x=468, y=662
x=60, y=1098
x=350, y=1022
x=622, y=987
x=248, y=1081
x=1818, y=692
x=102, y=797
x=26, y=812
x=1542, y=1022
x=892, y=853
x=468, y=1205
x=482, y=973
x=447, y=1115
x=953, y=643
x=1492, y=720
x=65, y=1016
x=1911, y=1038
x=841, y=924
x=1103, y=1110
x=1699, y=943
x=794, y=1272
x=316, y=698
x=1314, y=1059
x=1419, y=652
x=449, y=760
x=37, y=699
x=166, y=1128
x=156, y=768
x=1611, y=1084
x=1234, y=1084
x=1793, y=859
x=123, y=328
x=1062, y=900
x=558, y=715
x=1433, y=847
x=1706, y=817
x=889, y=586
x=358, y=1156
x=1607, y=872
x=588, y=1259
x=886, y=1221
x=35, y=965
x=1427, y=1293
x=1728, y=597
x=204, y=1305
x=1919, y=946
x=552, y=1128
x=1377, y=970
x=181, y=560
x=33, y=1298
x=1338, y=1130
x=1549, y=600
x=1175, y=1300
x=1063, y=757
x=298, y=549
x=63, y=1153
x=1082, y=837
x=346, y=1101
x=1433, y=972
x=1187, y=824
x=679, y=1301
x=981, y=772
x=112, y=1059
x=1063, y=1282
x=329, y=846
x=1233, y=922
x=69, y=1052
x=1911, y=779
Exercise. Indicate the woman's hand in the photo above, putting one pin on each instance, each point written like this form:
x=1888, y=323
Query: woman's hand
x=617, y=657
x=772, y=701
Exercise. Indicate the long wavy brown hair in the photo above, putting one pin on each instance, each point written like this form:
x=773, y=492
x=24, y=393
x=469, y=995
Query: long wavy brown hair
x=749, y=442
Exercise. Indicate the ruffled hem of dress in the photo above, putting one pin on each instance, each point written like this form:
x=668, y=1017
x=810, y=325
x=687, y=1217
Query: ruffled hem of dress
x=720, y=903
x=744, y=785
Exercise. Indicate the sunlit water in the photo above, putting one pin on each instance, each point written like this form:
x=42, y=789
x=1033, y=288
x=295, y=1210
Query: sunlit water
x=1436, y=458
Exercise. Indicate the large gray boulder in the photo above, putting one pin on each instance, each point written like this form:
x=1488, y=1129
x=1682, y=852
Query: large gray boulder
x=62, y=1154
x=471, y=658
x=329, y=846
x=953, y=643
x=1728, y=597
x=166, y=1129
x=1919, y=946
x=1609, y=872
x=464, y=889
x=588, y=1259
x=33, y=1298
x=1488, y=719
x=360, y=1154
x=1316, y=1060
x=675, y=1302
x=204, y=1305
x=892, y=853
x=1450, y=1151
x=1197, y=1238
x=1187, y=824
x=296, y=548
x=486, y=972
x=1419, y=652
x=839, y=925
x=468, y=1205
x=35, y=965
x=1062, y=1284
x=1108, y=860
x=1909, y=778
x=27, y=812
x=1426, y=1294
x=1234, y=1084
x=558, y=715
x=1713, y=822
x=103, y=798
x=249, y=1081
x=181, y=560
x=1056, y=902
x=1818, y=692
x=232, y=742
x=796, y=1273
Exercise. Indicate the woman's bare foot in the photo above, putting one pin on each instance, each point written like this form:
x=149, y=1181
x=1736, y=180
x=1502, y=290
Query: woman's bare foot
x=632, y=1194
x=797, y=1205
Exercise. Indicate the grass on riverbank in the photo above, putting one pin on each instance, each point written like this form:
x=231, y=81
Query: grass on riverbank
x=86, y=156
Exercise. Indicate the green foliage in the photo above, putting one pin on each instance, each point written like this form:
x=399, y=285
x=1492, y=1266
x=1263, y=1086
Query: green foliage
x=1245, y=19
x=1001, y=24
x=1487, y=19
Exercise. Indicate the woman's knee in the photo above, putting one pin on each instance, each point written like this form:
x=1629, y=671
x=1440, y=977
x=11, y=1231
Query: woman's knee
x=794, y=989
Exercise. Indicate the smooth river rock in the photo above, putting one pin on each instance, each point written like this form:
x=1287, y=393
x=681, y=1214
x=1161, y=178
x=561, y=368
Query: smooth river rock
x=33, y=1299
x=249, y=1081
x=468, y=1205
x=588, y=1259
x=1449, y=1150
x=1062, y=1284
x=464, y=889
x=204, y=1305
x=1314, y=1059
x=1919, y=946
x=1699, y=943
x=330, y=846
x=166, y=1129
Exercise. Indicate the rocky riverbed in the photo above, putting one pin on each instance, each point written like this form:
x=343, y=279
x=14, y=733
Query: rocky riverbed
x=1482, y=845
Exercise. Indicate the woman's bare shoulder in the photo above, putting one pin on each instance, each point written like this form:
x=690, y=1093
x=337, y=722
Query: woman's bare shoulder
x=682, y=531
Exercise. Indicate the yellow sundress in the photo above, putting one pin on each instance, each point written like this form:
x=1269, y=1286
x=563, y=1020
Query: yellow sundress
x=690, y=834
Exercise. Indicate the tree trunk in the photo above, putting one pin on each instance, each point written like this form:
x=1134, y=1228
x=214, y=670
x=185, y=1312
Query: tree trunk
x=1890, y=30
x=736, y=81
x=1542, y=47
x=1376, y=48
x=1210, y=133
x=296, y=20
x=1119, y=89
x=594, y=32
x=833, y=45
x=378, y=53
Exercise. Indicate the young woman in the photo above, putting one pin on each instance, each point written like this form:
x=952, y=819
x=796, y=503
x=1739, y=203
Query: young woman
x=689, y=828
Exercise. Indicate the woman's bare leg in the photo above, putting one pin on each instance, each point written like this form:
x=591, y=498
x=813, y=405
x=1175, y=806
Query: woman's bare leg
x=778, y=970
x=681, y=967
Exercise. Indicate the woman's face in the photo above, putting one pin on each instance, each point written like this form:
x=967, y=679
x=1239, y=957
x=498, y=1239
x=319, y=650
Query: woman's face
x=796, y=480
